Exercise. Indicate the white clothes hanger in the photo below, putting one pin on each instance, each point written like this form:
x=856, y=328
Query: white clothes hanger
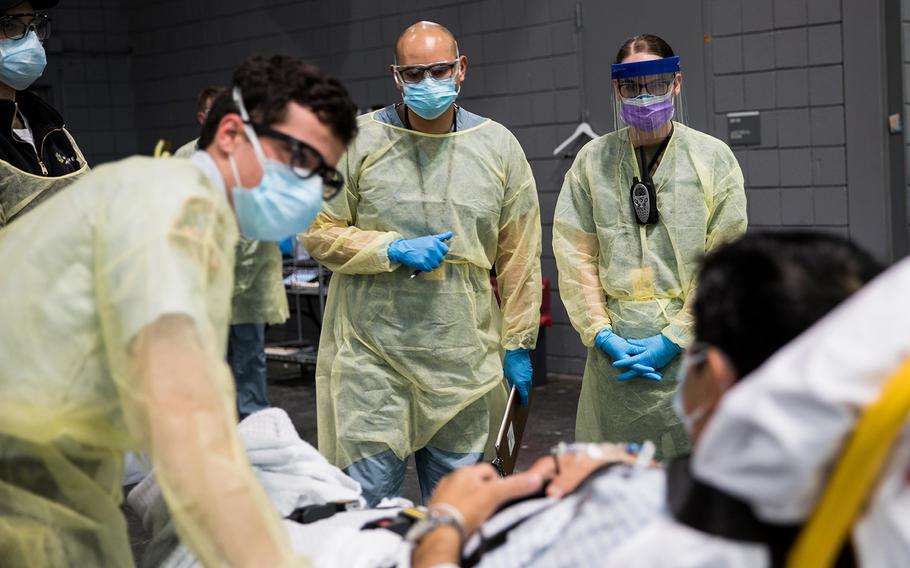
x=583, y=129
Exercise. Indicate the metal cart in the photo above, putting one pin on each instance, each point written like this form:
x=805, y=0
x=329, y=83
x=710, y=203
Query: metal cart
x=302, y=295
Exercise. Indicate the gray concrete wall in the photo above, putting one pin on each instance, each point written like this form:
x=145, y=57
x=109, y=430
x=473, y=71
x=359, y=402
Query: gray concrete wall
x=88, y=77
x=784, y=58
x=819, y=71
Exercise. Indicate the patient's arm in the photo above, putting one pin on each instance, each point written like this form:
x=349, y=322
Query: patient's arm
x=476, y=492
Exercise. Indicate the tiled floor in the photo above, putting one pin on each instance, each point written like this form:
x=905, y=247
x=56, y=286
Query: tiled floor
x=552, y=419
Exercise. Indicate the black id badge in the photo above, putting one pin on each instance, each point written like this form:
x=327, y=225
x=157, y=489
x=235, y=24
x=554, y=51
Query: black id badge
x=644, y=201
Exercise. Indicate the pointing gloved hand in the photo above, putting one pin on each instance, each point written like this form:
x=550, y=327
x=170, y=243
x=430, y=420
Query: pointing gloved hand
x=517, y=368
x=620, y=350
x=423, y=253
x=657, y=354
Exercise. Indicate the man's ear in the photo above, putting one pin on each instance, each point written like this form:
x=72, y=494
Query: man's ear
x=720, y=370
x=229, y=133
x=464, y=68
x=398, y=84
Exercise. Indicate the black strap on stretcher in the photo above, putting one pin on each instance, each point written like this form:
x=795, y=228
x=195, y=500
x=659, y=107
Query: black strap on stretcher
x=711, y=511
x=313, y=513
x=400, y=524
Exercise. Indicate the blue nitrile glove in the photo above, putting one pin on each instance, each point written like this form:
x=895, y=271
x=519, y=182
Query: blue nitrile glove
x=423, y=253
x=517, y=368
x=619, y=349
x=287, y=246
x=659, y=351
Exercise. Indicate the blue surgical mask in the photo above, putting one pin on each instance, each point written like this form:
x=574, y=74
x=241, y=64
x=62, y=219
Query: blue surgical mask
x=283, y=204
x=22, y=61
x=430, y=98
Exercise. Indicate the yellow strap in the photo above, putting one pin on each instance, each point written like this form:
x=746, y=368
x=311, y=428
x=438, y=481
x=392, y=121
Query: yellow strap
x=162, y=149
x=855, y=475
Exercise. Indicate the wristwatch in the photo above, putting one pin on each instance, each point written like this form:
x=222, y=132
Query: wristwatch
x=436, y=516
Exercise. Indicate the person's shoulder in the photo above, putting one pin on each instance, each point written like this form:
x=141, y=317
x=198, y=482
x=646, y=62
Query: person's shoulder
x=38, y=111
x=146, y=171
x=468, y=120
x=497, y=135
x=703, y=140
x=377, y=121
x=165, y=196
x=476, y=123
x=597, y=148
x=187, y=149
x=605, y=140
x=372, y=127
x=154, y=184
x=367, y=117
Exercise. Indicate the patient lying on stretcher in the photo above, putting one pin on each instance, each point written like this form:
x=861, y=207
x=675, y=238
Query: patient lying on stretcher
x=573, y=509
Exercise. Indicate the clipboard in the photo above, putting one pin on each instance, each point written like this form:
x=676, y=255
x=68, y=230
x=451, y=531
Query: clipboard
x=511, y=431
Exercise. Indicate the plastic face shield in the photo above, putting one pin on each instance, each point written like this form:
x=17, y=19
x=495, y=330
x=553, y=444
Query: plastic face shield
x=644, y=97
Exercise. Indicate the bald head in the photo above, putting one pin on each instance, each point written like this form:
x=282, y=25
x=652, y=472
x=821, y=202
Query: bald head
x=425, y=42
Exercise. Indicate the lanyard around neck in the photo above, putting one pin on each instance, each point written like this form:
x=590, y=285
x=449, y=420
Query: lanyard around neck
x=647, y=173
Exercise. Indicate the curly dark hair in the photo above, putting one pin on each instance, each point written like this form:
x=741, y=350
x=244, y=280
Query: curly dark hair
x=269, y=83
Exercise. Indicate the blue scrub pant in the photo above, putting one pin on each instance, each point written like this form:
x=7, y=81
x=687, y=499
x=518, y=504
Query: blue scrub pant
x=382, y=475
x=246, y=356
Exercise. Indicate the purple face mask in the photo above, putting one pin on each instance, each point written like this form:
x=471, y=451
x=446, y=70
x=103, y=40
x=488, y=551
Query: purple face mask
x=647, y=114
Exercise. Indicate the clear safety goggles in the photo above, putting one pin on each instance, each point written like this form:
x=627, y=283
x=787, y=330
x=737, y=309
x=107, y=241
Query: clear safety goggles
x=439, y=71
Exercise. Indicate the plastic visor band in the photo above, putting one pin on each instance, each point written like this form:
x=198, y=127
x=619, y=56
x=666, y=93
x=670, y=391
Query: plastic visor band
x=645, y=68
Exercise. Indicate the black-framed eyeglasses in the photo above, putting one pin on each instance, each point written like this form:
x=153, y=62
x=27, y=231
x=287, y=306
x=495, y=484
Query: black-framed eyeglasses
x=416, y=73
x=16, y=26
x=655, y=87
x=305, y=158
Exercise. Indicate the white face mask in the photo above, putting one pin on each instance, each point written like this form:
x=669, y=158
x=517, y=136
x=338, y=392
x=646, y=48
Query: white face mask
x=688, y=420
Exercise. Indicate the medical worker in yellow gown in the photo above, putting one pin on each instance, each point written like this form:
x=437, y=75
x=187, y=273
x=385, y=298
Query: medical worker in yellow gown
x=414, y=346
x=638, y=210
x=116, y=304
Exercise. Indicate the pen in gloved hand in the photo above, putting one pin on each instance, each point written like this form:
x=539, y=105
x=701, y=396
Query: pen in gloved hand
x=442, y=238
